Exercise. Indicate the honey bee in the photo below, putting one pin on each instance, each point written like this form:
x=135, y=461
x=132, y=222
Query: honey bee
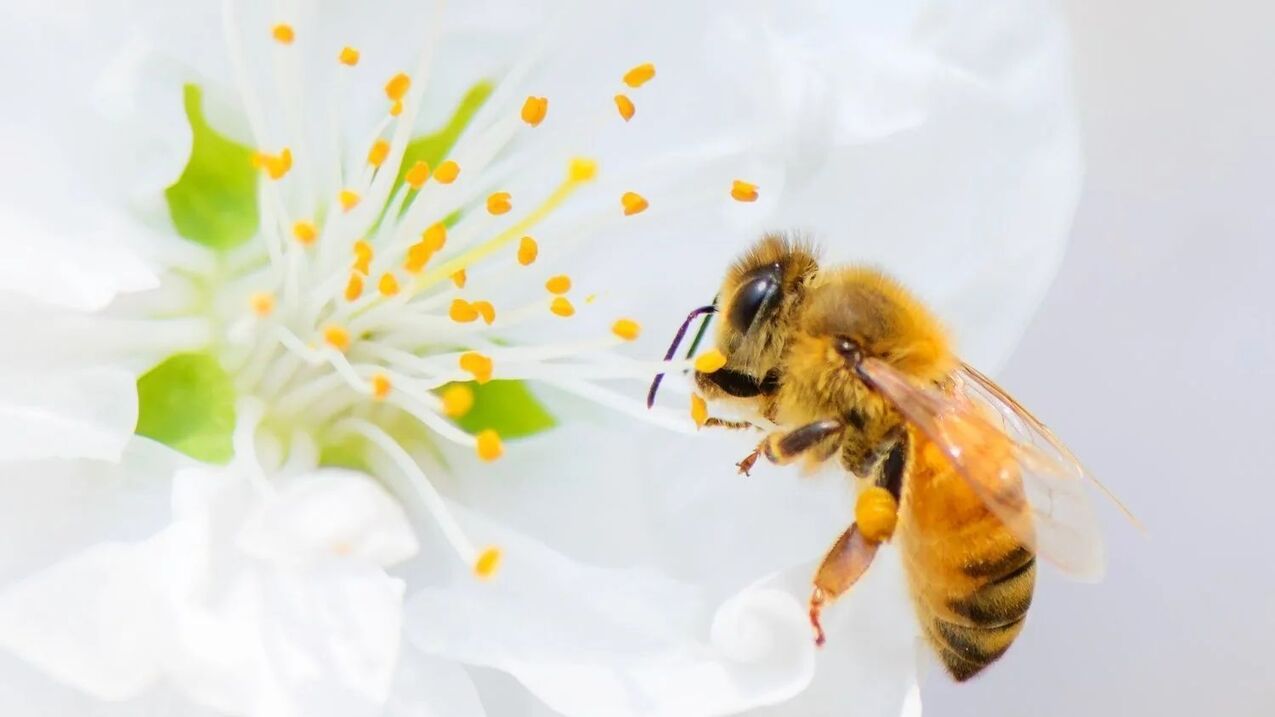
x=969, y=485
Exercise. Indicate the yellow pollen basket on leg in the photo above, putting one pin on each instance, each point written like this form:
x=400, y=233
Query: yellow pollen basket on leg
x=876, y=512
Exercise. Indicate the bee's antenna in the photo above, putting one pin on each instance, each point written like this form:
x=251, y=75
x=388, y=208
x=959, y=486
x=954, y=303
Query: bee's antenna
x=677, y=339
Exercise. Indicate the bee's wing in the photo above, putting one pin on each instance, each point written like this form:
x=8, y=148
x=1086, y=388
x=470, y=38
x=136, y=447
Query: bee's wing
x=1028, y=479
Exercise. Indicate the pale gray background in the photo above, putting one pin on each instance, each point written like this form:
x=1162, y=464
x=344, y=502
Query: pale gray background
x=1154, y=356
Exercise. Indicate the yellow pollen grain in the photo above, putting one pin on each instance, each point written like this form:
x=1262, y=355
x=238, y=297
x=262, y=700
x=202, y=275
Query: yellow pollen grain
x=699, y=410
x=590, y=298
x=462, y=312
x=434, y=236
x=710, y=361
x=485, y=310
x=633, y=203
x=447, y=172
x=417, y=175
x=387, y=285
x=625, y=106
x=362, y=256
x=477, y=365
x=275, y=165
x=283, y=33
x=379, y=151
x=262, y=303
x=457, y=400
x=639, y=75
x=354, y=287
x=627, y=329
x=489, y=449
x=305, y=232
x=581, y=169
x=559, y=284
x=349, y=56
x=534, y=109
x=499, y=203
x=397, y=86
x=380, y=386
x=459, y=278
x=742, y=191
x=527, y=251
x=418, y=255
x=348, y=198
x=561, y=306
x=396, y=109
x=488, y=560
x=336, y=337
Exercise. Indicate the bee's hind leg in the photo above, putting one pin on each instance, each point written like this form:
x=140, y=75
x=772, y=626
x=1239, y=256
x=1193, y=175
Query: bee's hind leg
x=841, y=568
x=876, y=515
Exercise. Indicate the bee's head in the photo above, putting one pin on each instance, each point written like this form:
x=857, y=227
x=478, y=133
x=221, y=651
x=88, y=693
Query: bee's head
x=758, y=301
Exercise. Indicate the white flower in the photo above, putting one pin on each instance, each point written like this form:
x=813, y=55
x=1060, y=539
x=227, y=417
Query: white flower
x=636, y=575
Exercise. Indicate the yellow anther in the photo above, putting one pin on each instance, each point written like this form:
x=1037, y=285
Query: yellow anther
x=462, y=312
x=627, y=329
x=499, y=203
x=459, y=278
x=527, y=251
x=348, y=198
x=349, y=56
x=534, y=109
x=489, y=449
x=699, y=410
x=262, y=303
x=582, y=169
x=559, y=284
x=478, y=366
x=457, y=400
x=379, y=151
x=337, y=337
x=876, y=512
x=380, y=386
x=397, y=87
x=276, y=165
x=562, y=307
x=418, y=255
x=354, y=287
x=488, y=561
x=387, y=285
x=633, y=203
x=434, y=236
x=447, y=172
x=362, y=257
x=283, y=33
x=625, y=106
x=742, y=191
x=396, y=109
x=710, y=361
x=417, y=175
x=305, y=232
x=639, y=75
x=485, y=310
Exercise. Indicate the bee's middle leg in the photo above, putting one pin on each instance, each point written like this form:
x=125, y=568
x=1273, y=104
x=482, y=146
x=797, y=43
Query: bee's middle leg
x=783, y=448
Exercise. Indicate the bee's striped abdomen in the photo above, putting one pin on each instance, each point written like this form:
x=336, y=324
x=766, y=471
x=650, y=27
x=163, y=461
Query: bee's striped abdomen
x=984, y=623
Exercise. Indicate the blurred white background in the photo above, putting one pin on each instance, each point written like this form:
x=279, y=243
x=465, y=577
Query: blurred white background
x=1154, y=356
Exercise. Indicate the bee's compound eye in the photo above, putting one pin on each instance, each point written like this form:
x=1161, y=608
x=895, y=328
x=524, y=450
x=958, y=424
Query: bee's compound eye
x=755, y=297
x=849, y=349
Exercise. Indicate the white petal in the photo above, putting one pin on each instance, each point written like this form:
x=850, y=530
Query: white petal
x=590, y=640
x=88, y=621
x=86, y=413
x=325, y=513
x=429, y=687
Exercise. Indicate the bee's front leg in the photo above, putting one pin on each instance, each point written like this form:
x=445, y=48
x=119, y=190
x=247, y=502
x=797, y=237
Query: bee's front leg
x=783, y=448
